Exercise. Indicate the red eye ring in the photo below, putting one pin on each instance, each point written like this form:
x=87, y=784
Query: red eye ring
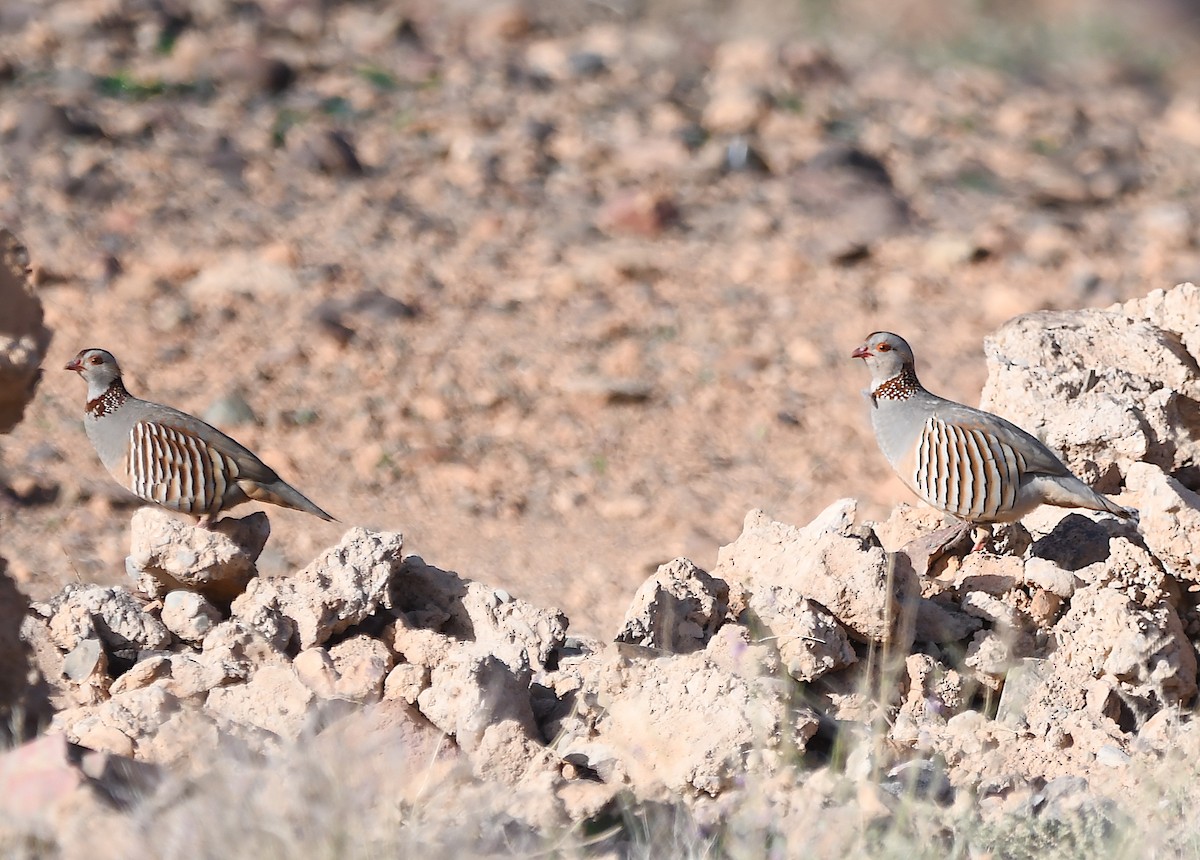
x=95, y=359
x=883, y=347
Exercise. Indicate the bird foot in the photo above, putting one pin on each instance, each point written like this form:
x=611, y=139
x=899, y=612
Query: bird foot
x=981, y=535
x=1004, y=539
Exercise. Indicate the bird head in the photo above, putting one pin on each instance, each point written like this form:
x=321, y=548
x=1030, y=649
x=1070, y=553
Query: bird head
x=98, y=368
x=886, y=355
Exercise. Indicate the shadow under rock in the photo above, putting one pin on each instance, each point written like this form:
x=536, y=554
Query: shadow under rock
x=431, y=598
x=1078, y=541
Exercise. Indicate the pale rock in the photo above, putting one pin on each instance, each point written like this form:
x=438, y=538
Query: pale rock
x=341, y=588
x=682, y=722
x=827, y=562
x=139, y=712
x=186, y=740
x=1123, y=375
x=1044, y=607
x=1175, y=310
x=418, y=646
x=967, y=727
x=95, y=734
x=994, y=575
x=260, y=609
x=190, y=676
x=735, y=649
x=935, y=694
x=314, y=667
x=86, y=667
x=362, y=664
x=810, y=641
x=502, y=622
x=473, y=689
x=1141, y=650
x=406, y=681
x=677, y=609
x=81, y=612
x=1100, y=699
x=532, y=796
x=1161, y=732
x=439, y=601
x=583, y=799
x=1024, y=678
x=991, y=655
x=1045, y=574
x=234, y=650
x=273, y=699
x=142, y=674
x=942, y=623
x=507, y=753
x=1170, y=519
x=47, y=660
x=1128, y=566
x=1111, y=755
x=905, y=524
x=395, y=737
x=119, y=724
x=994, y=610
x=167, y=553
x=189, y=615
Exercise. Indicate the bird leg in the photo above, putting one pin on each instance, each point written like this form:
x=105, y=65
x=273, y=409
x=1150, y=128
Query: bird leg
x=981, y=534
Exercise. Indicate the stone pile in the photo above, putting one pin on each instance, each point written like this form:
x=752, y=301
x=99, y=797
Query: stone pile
x=1062, y=651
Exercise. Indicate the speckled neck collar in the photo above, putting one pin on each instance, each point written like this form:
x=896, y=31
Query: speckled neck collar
x=109, y=401
x=902, y=386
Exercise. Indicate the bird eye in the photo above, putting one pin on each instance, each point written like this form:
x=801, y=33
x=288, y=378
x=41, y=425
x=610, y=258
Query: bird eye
x=95, y=359
x=883, y=347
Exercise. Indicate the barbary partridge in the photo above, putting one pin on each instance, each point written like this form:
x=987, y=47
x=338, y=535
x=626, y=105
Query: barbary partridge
x=965, y=462
x=170, y=458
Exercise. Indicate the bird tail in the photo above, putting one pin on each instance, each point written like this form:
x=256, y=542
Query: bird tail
x=1121, y=511
x=285, y=495
x=1070, y=492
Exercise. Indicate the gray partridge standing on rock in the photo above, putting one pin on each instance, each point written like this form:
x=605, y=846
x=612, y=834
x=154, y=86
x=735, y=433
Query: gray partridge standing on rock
x=169, y=458
x=965, y=462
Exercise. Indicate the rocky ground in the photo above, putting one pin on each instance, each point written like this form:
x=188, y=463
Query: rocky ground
x=560, y=294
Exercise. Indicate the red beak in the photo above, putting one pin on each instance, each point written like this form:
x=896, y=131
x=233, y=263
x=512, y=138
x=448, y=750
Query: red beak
x=74, y=364
x=861, y=352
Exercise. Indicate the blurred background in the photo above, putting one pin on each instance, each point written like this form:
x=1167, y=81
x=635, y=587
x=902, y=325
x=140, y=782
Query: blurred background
x=561, y=290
